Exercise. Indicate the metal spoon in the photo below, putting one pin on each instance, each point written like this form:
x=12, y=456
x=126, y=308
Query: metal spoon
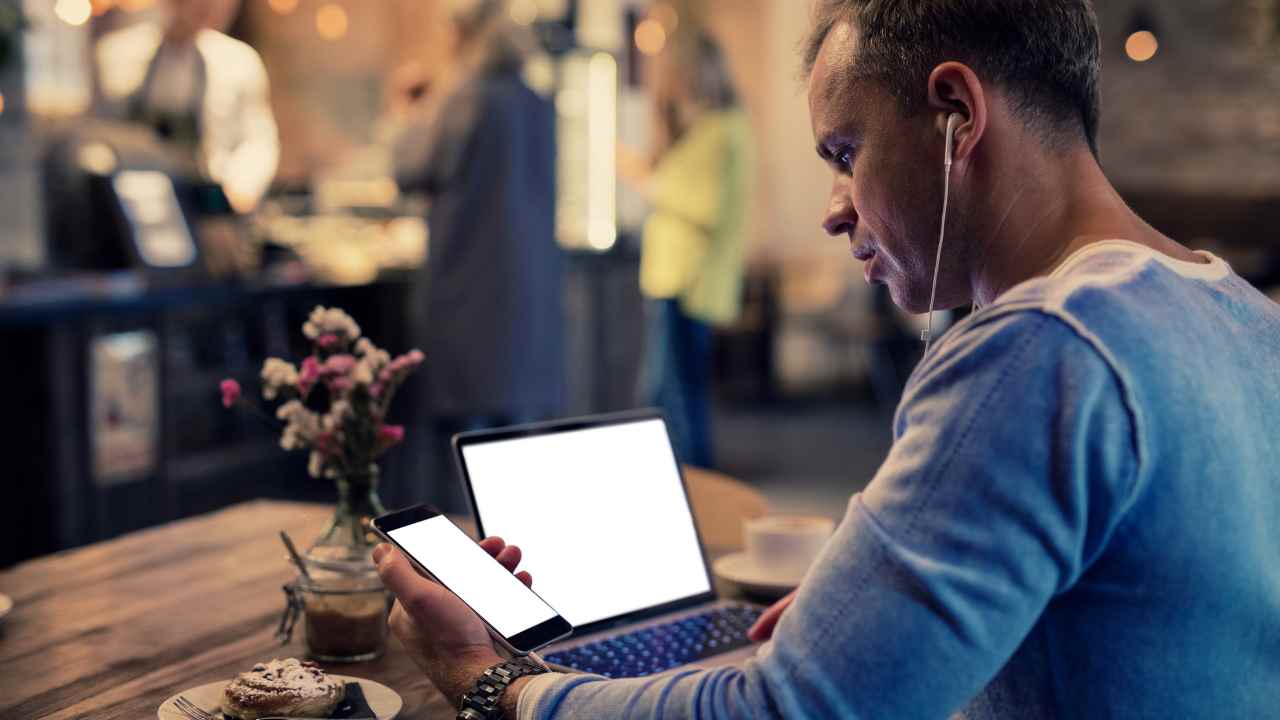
x=293, y=553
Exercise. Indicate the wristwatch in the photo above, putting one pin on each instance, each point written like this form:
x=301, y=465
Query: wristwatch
x=481, y=702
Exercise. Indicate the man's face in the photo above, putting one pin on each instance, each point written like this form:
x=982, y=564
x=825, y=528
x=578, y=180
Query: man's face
x=887, y=192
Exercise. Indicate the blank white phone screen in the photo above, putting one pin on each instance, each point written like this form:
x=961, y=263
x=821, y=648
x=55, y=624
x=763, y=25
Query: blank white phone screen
x=467, y=570
x=600, y=514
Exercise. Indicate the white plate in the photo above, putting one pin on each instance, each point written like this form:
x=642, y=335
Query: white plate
x=737, y=568
x=6, y=605
x=383, y=700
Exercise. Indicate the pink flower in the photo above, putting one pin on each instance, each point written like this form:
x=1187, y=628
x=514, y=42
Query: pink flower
x=326, y=443
x=324, y=342
x=375, y=390
x=398, y=369
x=391, y=433
x=310, y=374
x=230, y=392
x=339, y=365
x=388, y=436
x=340, y=384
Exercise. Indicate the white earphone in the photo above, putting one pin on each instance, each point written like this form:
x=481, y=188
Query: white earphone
x=952, y=121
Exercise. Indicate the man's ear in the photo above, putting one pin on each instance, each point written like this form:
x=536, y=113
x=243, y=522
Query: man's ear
x=955, y=88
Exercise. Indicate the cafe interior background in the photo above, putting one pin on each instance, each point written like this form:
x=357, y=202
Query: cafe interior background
x=113, y=355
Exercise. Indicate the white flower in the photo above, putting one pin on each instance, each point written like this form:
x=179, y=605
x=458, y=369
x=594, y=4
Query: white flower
x=338, y=413
x=315, y=466
x=277, y=374
x=301, y=425
x=331, y=321
x=363, y=374
x=372, y=358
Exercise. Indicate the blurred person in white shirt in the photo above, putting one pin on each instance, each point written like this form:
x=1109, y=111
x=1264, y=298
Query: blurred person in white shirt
x=198, y=89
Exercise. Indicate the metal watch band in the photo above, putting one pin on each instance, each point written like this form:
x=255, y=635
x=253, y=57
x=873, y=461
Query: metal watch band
x=482, y=701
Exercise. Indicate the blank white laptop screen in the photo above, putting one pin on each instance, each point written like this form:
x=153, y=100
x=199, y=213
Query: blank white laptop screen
x=600, y=514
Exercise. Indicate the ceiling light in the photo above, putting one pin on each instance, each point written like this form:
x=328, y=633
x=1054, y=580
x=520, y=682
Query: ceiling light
x=73, y=12
x=331, y=22
x=650, y=37
x=1142, y=46
x=1141, y=43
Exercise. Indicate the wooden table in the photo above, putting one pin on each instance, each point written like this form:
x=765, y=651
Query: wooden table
x=110, y=630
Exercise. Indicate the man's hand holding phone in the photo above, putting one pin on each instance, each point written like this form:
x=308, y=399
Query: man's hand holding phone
x=443, y=636
x=454, y=626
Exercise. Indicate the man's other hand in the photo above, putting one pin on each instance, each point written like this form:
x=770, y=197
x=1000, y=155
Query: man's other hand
x=763, y=629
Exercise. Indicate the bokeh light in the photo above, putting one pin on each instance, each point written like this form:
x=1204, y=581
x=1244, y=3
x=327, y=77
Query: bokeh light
x=1, y=103
x=283, y=7
x=73, y=12
x=1142, y=46
x=331, y=22
x=650, y=37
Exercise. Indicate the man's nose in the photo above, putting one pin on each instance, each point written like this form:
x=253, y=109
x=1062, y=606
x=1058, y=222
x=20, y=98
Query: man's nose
x=841, y=218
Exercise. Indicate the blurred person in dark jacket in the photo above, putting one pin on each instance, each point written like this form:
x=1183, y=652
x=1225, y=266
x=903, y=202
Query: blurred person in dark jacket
x=480, y=144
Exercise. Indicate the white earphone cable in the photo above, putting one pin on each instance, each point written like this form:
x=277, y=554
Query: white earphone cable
x=937, y=264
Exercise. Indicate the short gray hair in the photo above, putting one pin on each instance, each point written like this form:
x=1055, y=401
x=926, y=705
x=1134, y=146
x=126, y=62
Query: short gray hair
x=1045, y=53
x=498, y=41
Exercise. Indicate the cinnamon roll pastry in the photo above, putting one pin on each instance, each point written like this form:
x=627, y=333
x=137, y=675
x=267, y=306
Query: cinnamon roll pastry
x=282, y=687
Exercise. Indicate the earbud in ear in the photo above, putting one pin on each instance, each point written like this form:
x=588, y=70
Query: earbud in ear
x=952, y=123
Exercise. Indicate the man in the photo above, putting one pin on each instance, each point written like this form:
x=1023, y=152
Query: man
x=203, y=92
x=1077, y=518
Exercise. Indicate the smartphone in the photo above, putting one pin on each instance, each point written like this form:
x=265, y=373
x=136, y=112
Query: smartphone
x=516, y=616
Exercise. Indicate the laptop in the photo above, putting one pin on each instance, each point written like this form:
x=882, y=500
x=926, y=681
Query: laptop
x=598, y=506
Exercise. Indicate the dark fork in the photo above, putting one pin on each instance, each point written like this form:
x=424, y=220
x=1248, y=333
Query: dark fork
x=193, y=711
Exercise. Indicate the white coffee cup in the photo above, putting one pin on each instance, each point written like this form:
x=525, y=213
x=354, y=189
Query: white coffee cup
x=784, y=546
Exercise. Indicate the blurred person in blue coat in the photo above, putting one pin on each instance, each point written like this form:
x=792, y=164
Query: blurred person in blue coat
x=480, y=144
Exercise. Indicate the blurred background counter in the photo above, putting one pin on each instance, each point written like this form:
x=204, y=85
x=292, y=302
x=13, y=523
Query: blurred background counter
x=111, y=423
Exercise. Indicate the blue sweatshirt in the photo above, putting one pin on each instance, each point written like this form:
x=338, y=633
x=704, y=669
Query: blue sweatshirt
x=1079, y=518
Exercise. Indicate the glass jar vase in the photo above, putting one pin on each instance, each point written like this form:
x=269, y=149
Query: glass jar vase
x=343, y=603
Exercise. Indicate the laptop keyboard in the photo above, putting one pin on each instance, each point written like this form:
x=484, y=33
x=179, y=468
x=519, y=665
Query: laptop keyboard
x=662, y=647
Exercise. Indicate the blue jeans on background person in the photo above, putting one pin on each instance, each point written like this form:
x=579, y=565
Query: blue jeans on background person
x=675, y=377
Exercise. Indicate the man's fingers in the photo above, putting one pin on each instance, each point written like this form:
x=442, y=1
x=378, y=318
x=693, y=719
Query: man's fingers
x=493, y=545
x=510, y=557
x=524, y=577
x=763, y=629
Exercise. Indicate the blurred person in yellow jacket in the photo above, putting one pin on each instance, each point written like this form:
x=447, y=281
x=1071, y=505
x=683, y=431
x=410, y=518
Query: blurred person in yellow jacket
x=693, y=248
